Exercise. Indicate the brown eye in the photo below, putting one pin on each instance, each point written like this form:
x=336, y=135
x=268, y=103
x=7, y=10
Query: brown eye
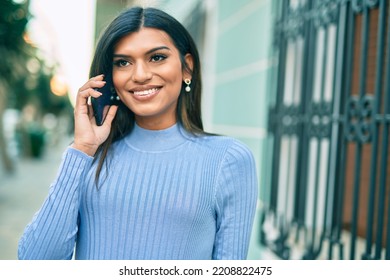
x=157, y=57
x=121, y=63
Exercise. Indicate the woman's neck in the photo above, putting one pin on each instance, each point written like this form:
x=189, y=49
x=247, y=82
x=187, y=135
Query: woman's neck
x=155, y=123
x=154, y=140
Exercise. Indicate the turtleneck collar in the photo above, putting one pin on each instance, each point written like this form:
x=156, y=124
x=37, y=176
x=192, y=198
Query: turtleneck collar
x=156, y=140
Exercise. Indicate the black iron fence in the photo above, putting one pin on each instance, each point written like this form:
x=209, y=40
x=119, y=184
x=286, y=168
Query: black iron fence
x=329, y=129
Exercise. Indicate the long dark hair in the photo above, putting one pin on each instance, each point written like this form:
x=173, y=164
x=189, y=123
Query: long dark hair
x=189, y=103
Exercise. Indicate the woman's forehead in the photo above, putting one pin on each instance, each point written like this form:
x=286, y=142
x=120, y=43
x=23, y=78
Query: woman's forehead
x=144, y=40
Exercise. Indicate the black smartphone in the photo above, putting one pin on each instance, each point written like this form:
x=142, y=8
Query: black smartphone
x=101, y=104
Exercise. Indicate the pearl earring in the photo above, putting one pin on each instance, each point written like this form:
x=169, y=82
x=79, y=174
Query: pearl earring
x=187, y=82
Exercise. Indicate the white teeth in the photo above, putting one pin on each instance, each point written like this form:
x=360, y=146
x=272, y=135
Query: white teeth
x=145, y=92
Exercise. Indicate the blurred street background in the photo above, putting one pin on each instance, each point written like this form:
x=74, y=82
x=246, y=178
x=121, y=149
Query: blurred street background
x=22, y=193
x=305, y=84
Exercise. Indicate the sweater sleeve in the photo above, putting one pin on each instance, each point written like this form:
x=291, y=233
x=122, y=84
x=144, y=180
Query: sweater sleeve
x=236, y=198
x=53, y=229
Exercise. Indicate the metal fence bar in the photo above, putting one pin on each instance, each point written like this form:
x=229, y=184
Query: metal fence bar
x=317, y=111
x=384, y=156
x=324, y=112
x=302, y=129
x=335, y=188
x=307, y=85
x=278, y=106
x=334, y=126
x=376, y=124
x=358, y=148
x=347, y=92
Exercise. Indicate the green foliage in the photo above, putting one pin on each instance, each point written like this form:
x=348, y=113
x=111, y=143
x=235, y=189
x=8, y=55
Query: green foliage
x=13, y=20
x=13, y=48
x=23, y=85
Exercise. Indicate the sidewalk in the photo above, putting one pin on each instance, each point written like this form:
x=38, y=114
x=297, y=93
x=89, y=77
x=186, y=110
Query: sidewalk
x=21, y=195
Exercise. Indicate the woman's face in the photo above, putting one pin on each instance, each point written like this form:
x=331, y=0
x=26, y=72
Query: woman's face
x=148, y=75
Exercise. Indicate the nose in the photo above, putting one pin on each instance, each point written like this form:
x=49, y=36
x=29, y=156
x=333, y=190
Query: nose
x=141, y=73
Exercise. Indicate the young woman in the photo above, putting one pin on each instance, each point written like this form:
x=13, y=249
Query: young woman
x=149, y=183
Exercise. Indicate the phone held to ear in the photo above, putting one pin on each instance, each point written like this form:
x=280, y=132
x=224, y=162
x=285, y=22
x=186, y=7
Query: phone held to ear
x=101, y=104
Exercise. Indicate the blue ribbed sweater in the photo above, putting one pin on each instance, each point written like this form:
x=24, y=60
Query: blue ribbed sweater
x=164, y=195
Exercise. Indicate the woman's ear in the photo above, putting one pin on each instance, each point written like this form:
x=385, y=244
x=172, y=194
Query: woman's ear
x=188, y=68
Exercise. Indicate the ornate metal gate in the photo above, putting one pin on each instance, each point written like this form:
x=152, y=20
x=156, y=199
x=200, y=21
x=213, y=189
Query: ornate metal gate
x=329, y=129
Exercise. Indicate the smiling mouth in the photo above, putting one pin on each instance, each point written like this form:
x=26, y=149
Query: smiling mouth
x=145, y=92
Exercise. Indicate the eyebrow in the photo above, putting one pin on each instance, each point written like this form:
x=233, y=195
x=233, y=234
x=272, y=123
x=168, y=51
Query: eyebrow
x=147, y=53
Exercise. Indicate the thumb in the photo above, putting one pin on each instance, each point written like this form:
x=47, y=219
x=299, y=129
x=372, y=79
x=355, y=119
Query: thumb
x=110, y=115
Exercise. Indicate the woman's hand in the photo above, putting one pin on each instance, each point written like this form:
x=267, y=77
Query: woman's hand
x=87, y=135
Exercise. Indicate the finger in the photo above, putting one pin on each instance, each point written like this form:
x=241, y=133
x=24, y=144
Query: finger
x=92, y=84
x=93, y=120
x=98, y=78
x=90, y=112
x=82, y=98
x=84, y=95
x=110, y=115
